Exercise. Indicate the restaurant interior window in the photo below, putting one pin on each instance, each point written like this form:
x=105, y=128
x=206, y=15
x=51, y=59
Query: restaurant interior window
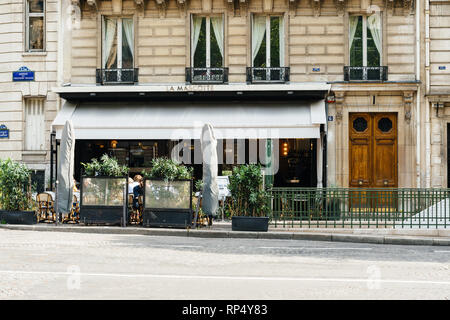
x=365, y=41
x=118, y=43
x=267, y=41
x=207, y=42
x=34, y=124
x=35, y=25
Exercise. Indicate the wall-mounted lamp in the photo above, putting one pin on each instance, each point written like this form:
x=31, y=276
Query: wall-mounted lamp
x=285, y=149
x=114, y=144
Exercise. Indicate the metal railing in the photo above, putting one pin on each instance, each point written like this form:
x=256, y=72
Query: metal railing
x=360, y=208
x=117, y=76
x=365, y=73
x=268, y=75
x=206, y=75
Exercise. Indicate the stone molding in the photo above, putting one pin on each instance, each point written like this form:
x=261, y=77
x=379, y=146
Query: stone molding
x=408, y=97
x=241, y=6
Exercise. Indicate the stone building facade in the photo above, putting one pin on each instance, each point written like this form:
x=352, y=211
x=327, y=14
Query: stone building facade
x=28, y=38
x=437, y=92
x=376, y=63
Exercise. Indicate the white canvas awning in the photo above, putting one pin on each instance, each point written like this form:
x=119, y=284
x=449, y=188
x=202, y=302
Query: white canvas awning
x=184, y=120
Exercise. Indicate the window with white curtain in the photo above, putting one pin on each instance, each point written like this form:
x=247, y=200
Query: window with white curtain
x=34, y=124
x=207, y=42
x=365, y=40
x=35, y=25
x=267, y=41
x=117, y=43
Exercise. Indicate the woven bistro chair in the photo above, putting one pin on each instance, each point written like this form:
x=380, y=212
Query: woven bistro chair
x=46, y=207
x=141, y=208
x=134, y=214
x=74, y=214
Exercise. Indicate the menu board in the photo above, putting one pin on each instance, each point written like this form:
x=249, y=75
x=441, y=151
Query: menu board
x=222, y=183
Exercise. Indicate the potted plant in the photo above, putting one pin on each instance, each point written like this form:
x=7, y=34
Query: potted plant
x=15, y=193
x=250, y=202
x=167, y=194
x=103, y=192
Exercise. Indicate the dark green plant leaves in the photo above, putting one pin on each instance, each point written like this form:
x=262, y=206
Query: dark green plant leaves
x=107, y=166
x=167, y=169
x=15, y=186
x=247, y=193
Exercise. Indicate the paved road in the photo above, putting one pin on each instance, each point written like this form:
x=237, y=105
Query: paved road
x=54, y=265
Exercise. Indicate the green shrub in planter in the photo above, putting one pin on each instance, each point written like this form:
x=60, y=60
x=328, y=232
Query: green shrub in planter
x=168, y=194
x=168, y=170
x=102, y=192
x=248, y=196
x=15, y=193
x=15, y=186
x=106, y=167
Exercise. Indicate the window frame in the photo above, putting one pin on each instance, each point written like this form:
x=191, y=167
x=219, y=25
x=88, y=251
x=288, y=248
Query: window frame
x=29, y=15
x=268, y=47
x=119, y=40
x=364, y=38
x=208, y=38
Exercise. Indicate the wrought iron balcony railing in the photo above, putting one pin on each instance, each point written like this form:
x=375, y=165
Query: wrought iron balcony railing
x=206, y=75
x=268, y=75
x=365, y=73
x=117, y=76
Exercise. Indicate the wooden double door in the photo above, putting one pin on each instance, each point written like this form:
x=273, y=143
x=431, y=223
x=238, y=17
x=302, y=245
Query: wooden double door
x=373, y=150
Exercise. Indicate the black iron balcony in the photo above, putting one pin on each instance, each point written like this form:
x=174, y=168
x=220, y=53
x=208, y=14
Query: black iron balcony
x=268, y=75
x=365, y=73
x=206, y=75
x=117, y=76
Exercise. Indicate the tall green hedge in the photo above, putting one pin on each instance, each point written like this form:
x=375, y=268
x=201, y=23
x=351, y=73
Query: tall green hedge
x=248, y=196
x=15, y=186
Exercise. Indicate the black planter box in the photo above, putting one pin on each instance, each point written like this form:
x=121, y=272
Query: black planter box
x=18, y=217
x=171, y=219
x=239, y=223
x=103, y=212
x=102, y=215
x=160, y=208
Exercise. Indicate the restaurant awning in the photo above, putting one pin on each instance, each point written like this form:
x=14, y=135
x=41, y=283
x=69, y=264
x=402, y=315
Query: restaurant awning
x=184, y=120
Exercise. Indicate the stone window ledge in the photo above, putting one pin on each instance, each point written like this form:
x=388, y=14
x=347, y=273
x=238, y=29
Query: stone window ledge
x=34, y=54
x=34, y=152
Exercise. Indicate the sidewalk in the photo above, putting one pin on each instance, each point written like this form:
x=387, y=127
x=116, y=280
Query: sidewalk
x=436, y=237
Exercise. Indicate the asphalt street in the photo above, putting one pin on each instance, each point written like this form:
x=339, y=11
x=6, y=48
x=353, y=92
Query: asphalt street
x=58, y=265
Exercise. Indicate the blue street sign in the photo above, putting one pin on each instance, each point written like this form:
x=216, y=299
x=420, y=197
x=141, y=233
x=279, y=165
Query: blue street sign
x=23, y=74
x=316, y=69
x=4, y=132
x=330, y=118
x=442, y=67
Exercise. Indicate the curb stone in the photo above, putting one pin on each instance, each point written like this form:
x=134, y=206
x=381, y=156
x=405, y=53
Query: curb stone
x=358, y=238
x=315, y=236
x=408, y=241
x=207, y=234
x=312, y=236
x=441, y=242
x=273, y=235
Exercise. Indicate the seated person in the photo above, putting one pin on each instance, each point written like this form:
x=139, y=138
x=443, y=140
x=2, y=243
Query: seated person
x=75, y=189
x=138, y=190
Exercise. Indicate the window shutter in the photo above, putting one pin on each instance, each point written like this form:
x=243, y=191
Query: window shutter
x=34, y=124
